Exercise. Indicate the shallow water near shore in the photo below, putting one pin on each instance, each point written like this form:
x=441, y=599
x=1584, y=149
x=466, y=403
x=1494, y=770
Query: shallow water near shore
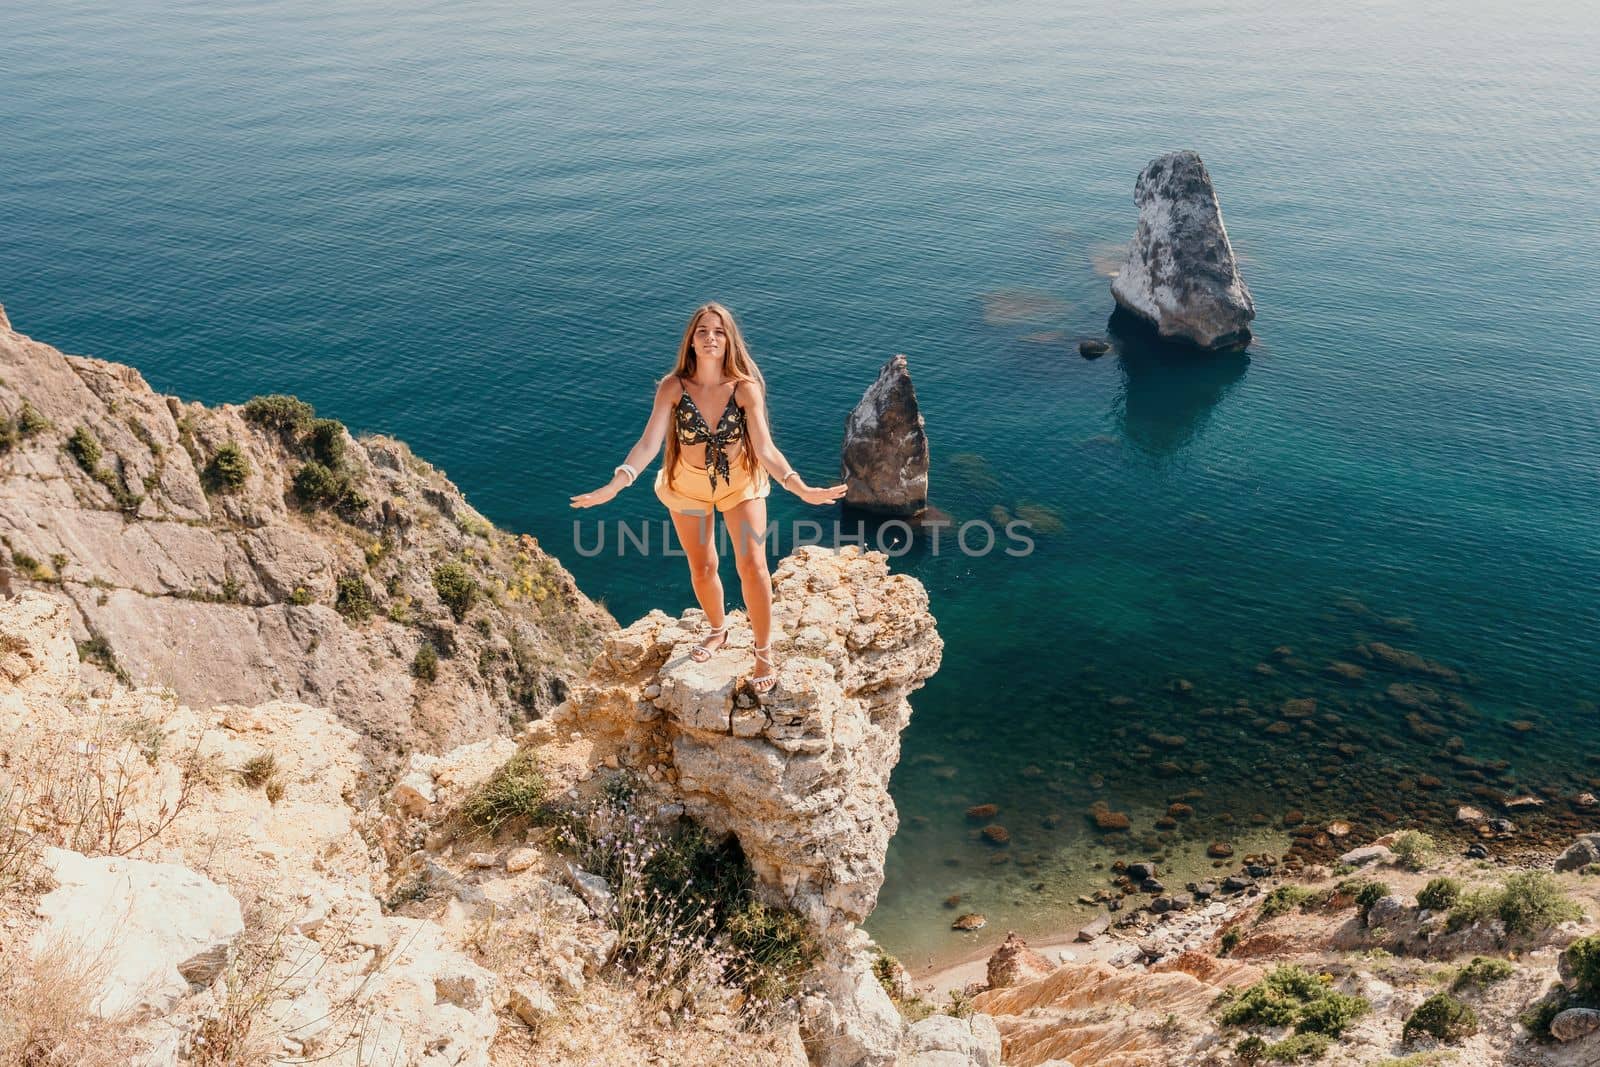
x=482, y=230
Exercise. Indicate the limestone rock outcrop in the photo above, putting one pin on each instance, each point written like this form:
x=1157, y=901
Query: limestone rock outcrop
x=218, y=866
x=885, y=459
x=1181, y=277
x=946, y=1041
x=191, y=559
x=1014, y=963
x=800, y=775
x=1094, y=1013
x=153, y=929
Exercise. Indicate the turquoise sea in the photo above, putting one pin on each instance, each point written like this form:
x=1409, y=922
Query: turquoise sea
x=481, y=227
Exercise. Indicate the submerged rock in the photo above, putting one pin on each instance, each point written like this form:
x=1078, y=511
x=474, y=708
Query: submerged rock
x=885, y=458
x=1181, y=277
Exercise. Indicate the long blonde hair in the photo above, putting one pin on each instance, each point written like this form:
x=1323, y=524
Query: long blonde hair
x=736, y=363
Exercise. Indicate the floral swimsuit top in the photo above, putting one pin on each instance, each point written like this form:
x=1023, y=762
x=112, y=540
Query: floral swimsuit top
x=693, y=430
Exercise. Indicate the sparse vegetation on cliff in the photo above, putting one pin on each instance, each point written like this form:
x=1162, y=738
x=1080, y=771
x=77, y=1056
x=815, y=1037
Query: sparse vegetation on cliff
x=228, y=470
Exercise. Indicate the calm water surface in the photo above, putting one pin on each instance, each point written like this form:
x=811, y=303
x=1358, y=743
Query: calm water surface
x=481, y=228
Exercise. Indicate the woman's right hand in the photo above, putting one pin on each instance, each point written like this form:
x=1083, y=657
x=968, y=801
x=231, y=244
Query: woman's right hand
x=594, y=499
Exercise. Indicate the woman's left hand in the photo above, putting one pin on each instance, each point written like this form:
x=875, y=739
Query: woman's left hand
x=819, y=495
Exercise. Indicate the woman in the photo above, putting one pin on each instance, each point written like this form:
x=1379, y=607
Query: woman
x=717, y=467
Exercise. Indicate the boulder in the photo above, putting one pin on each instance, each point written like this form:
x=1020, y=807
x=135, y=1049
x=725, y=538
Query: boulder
x=945, y=1041
x=885, y=458
x=37, y=654
x=850, y=1020
x=1582, y=852
x=1181, y=277
x=1360, y=857
x=146, y=933
x=1387, y=911
x=1575, y=1023
x=1014, y=963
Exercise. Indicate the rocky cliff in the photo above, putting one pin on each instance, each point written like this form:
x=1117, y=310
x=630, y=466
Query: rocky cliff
x=178, y=883
x=800, y=776
x=248, y=553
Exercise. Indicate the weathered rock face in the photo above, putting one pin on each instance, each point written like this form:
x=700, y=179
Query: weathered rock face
x=230, y=594
x=152, y=928
x=1181, y=276
x=1094, y=1013
x=945, y=1041
x=264, y=799
x=800, y=777
x=885, y=461
x=1014, y=963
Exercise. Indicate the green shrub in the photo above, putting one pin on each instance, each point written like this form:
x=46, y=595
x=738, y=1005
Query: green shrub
x=1582, y=958
x=1474, y=906
x=1533, y=901
x=1292, y=995
x=98, y=650
x=1251, y=1049
x=1369, y=893
x=1331, y=1014
x=31, y=567
x=425, y=665
x=1538, y=1016
x=8, y=435
x=1440, y=894
x=30, y=422
x=1414, y=849
x=325, y=438
x=351, y=599
x=773, y=950
x=1297, y=1047
x=319, y=486
x=456, y=588
x=1482, y=972
x=286, y=414
x=85, y=448
x=228, y=469
x=1443, y=1017
x=515, y=790
x=1230, y=940
x=1282, y=899
x=301, y=596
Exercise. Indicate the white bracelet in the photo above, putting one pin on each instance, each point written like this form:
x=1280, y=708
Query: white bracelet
x=633, y=475
x=784, y=481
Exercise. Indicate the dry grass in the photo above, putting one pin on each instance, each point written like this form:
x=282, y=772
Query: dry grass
x=612, y=1024
x=44, y=1011
x=91, y=794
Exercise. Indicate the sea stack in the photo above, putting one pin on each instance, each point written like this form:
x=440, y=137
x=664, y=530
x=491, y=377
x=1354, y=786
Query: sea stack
x=885, y=459
x=1181, y=277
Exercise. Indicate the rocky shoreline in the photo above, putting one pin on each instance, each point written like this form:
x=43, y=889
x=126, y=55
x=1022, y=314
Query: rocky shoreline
x=1153, y=987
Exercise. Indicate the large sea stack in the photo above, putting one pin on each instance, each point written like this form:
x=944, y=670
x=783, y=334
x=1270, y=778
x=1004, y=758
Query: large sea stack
x=885, y=459
x=1181, y=277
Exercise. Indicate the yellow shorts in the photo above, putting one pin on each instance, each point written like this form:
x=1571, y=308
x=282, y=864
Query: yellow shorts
x=691, y=488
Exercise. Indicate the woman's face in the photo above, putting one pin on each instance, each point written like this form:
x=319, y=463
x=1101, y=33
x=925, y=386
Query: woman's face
x=710, y=337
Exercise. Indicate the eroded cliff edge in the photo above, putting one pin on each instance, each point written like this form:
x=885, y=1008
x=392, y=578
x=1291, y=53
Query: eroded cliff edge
x=243, y=553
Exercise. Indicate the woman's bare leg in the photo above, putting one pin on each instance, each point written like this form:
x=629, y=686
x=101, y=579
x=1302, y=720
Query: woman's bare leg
x=696, y=535
x=747, y=529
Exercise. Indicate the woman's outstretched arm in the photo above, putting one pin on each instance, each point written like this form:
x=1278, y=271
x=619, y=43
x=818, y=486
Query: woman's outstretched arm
x=649, y=443
x=771, y=460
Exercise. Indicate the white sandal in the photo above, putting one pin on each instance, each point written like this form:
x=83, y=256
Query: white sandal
x=764, y=683
x=700, y=653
